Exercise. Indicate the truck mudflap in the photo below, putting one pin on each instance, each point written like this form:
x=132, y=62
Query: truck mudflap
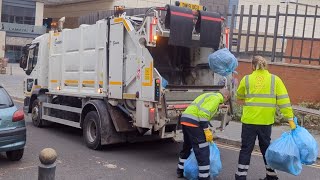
x=109, y=135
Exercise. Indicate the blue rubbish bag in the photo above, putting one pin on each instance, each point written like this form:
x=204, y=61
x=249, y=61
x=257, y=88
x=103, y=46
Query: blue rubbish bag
x=307, y=145
x=283, y=154
x=164, y=82
x=191, y=169
x=223, y=62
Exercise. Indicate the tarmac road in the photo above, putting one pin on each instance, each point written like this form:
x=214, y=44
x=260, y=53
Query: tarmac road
x=139, y=161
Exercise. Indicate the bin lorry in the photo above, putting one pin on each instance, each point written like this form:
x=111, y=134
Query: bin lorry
x=106, y=78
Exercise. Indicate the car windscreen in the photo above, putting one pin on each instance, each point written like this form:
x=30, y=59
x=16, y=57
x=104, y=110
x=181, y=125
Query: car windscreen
x=5, y=100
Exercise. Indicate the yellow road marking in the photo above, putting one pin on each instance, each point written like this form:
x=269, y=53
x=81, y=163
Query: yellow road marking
x=230, y=147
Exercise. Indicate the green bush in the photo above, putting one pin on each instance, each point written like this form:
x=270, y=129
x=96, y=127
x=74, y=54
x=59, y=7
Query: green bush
x=310, y=121
x=237, y=112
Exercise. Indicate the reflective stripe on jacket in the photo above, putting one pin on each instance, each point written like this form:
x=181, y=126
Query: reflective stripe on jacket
x=262, y=92
x=202, y=109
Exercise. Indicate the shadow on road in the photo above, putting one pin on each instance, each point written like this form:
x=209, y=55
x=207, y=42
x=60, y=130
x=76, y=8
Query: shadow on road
x=74, y=135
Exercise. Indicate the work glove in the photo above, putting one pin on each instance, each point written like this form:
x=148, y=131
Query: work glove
x=292, y=123
x=208, y=134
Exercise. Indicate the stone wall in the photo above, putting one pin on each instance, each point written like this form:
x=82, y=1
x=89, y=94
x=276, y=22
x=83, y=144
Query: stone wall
x=2, y=43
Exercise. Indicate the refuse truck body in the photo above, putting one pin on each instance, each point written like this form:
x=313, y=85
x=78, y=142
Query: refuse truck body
x=107, y=78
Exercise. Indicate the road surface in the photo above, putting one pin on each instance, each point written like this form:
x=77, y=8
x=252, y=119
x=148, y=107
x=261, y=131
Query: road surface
x=140, y=161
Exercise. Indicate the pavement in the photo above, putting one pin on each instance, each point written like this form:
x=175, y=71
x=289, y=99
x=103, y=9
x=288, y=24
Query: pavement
x=138, y=161
x=232, y=134
x=13, y=83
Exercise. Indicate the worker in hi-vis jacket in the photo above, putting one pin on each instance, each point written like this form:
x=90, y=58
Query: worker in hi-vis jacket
x=262, y=92
x=195, y=127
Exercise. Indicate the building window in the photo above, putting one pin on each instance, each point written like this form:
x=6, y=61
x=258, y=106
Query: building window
x=13, y=53
x=19, y=15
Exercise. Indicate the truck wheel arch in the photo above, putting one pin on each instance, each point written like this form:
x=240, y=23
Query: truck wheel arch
x=35, y=94
x=88, y=107
x=108, y=133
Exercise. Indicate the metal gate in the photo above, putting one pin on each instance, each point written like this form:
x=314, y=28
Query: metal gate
x=280, y=33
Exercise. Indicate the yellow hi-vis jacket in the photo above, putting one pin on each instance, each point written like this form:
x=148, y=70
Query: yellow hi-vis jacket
x=202, y=110
x=262, y=92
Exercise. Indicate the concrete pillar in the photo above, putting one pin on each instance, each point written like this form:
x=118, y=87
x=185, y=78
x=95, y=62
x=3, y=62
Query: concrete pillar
x=39, y=13
x=2, y=43
x=0, y=9
x=47, y=168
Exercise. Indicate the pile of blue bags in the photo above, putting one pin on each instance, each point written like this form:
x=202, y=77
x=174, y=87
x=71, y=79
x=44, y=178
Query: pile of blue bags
x=223, y=62
x=191, y=169
x=291, y=150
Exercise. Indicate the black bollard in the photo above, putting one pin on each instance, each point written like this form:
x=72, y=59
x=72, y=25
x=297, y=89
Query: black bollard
x=47, y=168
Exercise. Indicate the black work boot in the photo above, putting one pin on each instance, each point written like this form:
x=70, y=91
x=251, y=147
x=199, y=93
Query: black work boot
x=179, y=173
x=207, y=178
x=270, y=178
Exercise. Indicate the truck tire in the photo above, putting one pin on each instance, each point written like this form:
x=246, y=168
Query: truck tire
x=91, y=130
x=15, y=155
x=35, y=114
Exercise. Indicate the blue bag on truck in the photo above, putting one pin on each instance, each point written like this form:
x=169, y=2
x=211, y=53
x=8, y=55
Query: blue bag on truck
x=283, y=154
x=191, y=169
x=307, y=145
x=223, y=62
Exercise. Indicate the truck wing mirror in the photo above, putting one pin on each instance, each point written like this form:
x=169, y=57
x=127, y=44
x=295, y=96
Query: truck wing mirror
x=24, y=57
x=23, y=61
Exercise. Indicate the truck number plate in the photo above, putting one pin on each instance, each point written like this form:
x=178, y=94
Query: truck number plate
x=194, y=7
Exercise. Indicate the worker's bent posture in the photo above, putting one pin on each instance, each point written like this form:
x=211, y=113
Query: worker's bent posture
x=262, y=92
x=195, y=127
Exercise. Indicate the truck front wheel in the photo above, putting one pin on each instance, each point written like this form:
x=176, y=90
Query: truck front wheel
x=35, y=114
x=91, y=130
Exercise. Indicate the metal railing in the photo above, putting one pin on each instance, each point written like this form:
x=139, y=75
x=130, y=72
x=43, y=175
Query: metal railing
x=276, y=33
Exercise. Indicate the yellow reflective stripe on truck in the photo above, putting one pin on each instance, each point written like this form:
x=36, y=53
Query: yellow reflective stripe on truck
x=71, y=81
x=126, y=25
x=115, y=83
x=148, y=75
x=88, y=82
x=129, y=96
